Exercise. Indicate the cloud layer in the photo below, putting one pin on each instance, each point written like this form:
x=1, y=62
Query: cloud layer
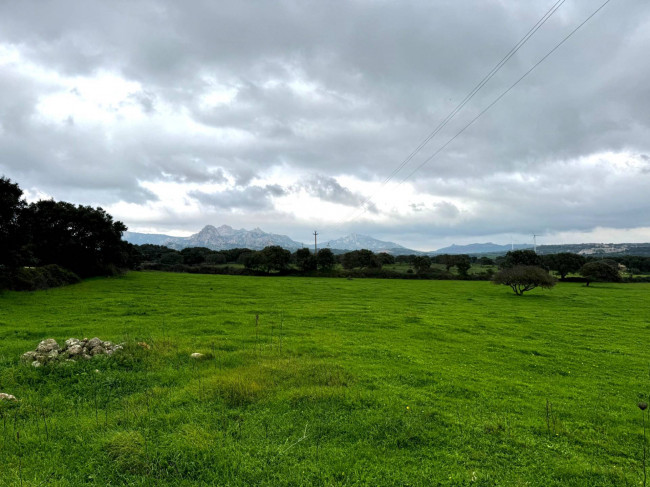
x=290, y=115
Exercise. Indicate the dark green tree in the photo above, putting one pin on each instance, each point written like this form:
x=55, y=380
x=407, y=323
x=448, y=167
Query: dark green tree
x=524, y=278
x=522, y=258
x=600, y=271
x=385, y=258
x=368, y=259
x=82, y=239
x=305, y=260
x=421, y=263
x=350, y=260
x=275, y=258
x=326, y=260
x=232, y=255
x=194, y=255
x=447, y=260
x=251, y=260
x=484, y=261
x=564, y=263
x=215, y=258
x=405, y=259
x=463, y=264
x=13, y=235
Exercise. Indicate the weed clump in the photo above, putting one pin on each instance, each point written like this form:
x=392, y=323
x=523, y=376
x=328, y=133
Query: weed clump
x=127, y=450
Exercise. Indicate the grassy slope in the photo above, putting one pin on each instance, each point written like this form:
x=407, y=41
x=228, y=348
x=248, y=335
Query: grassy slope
x=369, y=382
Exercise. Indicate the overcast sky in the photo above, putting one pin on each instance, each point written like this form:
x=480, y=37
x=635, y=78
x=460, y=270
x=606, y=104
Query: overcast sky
x=290, y=115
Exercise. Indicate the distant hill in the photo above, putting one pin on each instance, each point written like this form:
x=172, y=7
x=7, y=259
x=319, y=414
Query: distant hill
x=355, y=241
x=598, y=249
x=147, y=238
x=480, y=248
x=221, y=238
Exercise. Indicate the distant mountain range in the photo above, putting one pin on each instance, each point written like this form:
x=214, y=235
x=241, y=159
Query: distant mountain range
x=225, y=237
x=357, y=242
x=221, y=238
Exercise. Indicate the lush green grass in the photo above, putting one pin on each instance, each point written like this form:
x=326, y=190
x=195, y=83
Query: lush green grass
x=344, y=382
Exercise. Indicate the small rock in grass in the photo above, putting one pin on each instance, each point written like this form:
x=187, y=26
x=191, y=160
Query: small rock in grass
x=47, y=346
x=7, y=397
x=98, y=350
x=93, y=342
x=36, y=363
x=71, y=342
x=74, y=350
x=41, y=358
x=29, y=356
x=197, y=356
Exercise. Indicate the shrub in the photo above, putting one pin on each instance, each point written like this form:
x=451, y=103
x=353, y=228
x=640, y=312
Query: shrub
x=34, y=278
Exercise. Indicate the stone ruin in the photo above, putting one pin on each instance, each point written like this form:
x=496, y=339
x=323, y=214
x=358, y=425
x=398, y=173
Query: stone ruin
x=74, y=349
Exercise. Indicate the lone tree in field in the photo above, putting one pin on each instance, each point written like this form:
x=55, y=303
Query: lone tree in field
x=600, y=271
x=524, y=278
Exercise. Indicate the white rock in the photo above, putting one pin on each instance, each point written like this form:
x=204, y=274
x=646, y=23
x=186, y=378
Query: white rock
x=71, y=342
x=47, y=346
x=197, y=356
x=28, y=356
x=7, y=397
x=75, y=350
x=36, y=363
x=98, y=350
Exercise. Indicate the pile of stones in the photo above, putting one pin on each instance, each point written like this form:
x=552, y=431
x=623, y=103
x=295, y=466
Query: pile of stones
x=73, y=349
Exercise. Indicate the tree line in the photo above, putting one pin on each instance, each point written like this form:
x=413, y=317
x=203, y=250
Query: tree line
x=524, y=270
x=278, y=260
x=275, y=259
x=49, y=242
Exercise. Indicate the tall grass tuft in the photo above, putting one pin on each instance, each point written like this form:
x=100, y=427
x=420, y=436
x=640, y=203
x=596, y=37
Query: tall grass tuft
x=643, y=406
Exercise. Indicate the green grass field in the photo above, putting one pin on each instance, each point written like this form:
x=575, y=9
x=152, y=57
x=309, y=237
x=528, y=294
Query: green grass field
x=343, y=382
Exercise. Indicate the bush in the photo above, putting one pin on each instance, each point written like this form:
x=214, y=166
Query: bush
x=34, y=278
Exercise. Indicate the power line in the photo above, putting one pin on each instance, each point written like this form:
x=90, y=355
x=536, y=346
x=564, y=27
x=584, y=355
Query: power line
x=498, y=98
x=469, y=96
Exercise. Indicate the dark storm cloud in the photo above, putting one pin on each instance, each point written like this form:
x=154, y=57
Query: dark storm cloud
x=329, y=189
x=335, y=88
x=250, y=198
